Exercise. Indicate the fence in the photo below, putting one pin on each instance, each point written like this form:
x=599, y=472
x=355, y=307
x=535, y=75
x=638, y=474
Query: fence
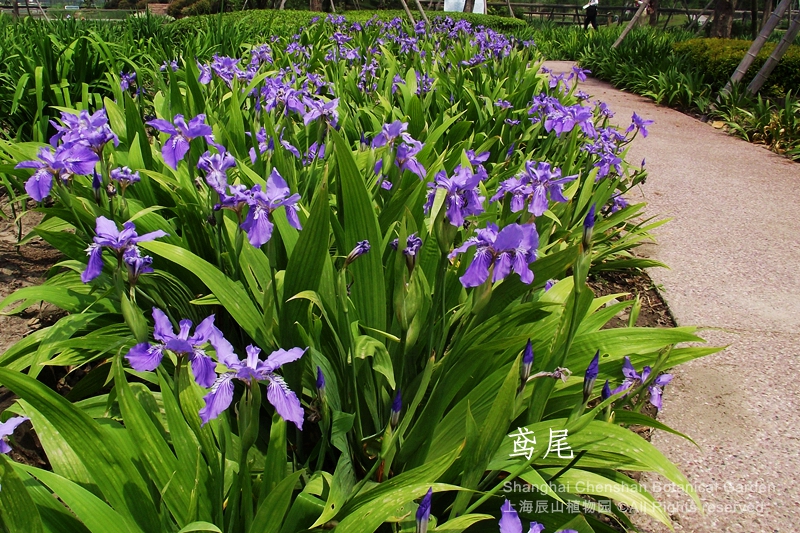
x=573, y=14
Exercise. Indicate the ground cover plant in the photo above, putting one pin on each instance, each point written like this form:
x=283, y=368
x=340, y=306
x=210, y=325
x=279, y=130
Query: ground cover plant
x=337, y=281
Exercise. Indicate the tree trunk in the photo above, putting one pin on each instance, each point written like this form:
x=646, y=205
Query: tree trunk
x=758, y=43
x=723, y=19
x=315, y=5
x=654, y=4
x=753, y=18
x=15, y=11
x=775, y=57
x=469, y=5
x=510, y=11
x=767, y=12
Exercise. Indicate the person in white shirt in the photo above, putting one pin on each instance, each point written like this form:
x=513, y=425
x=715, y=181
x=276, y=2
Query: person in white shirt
x=591, y=14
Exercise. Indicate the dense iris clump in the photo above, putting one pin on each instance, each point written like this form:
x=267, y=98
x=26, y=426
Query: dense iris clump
x=310, y=280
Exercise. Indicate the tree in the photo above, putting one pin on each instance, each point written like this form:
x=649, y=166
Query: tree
x=469, y=6
x=723, y=19
x=315, y=5
x=653, y=10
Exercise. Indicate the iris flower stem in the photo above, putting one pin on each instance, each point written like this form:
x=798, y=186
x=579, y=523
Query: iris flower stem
x=351, y=341
x=275, y=290
x=176, y=380
x=441, y=303
x=511, y=476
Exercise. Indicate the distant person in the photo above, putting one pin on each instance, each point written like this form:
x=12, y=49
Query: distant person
x=591, y=14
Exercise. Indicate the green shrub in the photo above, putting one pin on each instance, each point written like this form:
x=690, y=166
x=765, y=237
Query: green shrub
x=718, y=59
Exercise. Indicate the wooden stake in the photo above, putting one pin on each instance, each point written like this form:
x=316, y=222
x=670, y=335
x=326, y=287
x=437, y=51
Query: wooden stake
x=630, y=25
x=408, y=12
x=755, y=48
x=421, y=12
x=775, y=56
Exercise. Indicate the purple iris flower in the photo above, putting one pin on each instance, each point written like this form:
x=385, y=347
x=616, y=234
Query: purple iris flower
x=251, y=370
x=527, y=361
x=108, y=236
x=262, y=203
x=173, y=65
x=556, y=80
x=396, y=82
x=638, y=123
x=633, y=379
x=424, y=512
x=97, y=183
x=477, y=159
x=397, y=406
x=511, y=249
x=361, y=248
x=618, y=202
x=145, y=357
x=180, y=135
x=320, y=381
x=65, y=162
x=424, y=83
x=205, y=73
x=124, y=176
x=591, y=376
x=289, y=147
x=534, y=185
x=264, y=143
x=503, y=104
x=563, y=119
x=463, y=195
x=413, y=244
x=89, y=130
x=388, y=133
x=510, y=522
x=606, y=393
x=604, y=110
x=549, y=284
x=511, y=122
x=406, y=157
x=607, y=146
x=327, y=111
x=315, y=151
x=588, y=228
x=7, y=428
x=137, y=263
x=235, y=199
x=216, y=168
x=127, y=80
x=579, y=72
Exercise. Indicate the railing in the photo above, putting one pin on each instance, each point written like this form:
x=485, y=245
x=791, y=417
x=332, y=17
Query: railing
x=74, y=12
x=573, y=13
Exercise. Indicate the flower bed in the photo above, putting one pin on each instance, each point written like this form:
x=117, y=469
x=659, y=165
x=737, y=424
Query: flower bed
x=337, y=276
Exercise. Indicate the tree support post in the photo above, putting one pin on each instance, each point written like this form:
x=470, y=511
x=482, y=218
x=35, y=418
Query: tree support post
x=422, y=12
x=775, y=56
x=755, y=48
x=630, y=25
x=408, y=12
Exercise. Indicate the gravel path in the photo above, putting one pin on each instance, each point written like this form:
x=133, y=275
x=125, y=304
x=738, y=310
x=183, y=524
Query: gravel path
x=734, y=253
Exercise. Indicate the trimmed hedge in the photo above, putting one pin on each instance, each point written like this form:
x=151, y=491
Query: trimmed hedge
x=718, y=59
x=263, y=23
